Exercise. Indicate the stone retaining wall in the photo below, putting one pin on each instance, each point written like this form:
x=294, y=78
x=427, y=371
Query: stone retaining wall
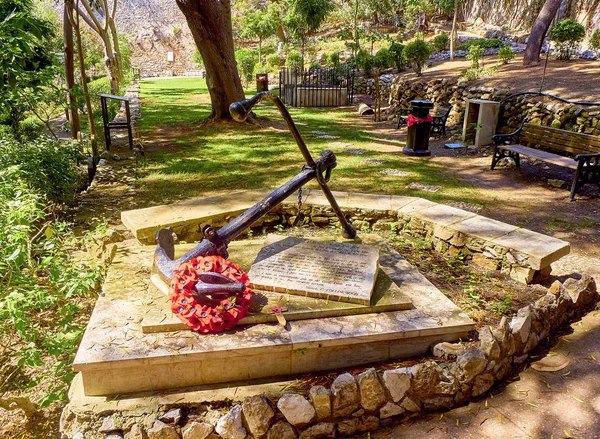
x=361, y=403
x=538, y=110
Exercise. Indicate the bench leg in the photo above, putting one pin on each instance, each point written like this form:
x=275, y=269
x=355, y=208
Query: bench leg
x=588, y=171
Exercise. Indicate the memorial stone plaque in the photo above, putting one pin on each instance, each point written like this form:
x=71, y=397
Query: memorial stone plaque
x=325, y=270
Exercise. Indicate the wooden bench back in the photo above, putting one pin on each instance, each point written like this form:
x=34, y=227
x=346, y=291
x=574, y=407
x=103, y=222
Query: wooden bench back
x=560, y=140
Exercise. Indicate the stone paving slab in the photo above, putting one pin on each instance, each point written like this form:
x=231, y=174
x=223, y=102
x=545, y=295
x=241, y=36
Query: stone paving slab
x=144, y=223
x=539, y=250
x=484, y=228
x=443, y=215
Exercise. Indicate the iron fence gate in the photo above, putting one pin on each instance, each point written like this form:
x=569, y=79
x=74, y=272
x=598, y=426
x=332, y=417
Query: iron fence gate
x=326, y=87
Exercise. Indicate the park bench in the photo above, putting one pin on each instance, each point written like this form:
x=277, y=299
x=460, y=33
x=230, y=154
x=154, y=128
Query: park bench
x=568, y=149
x=438, y=126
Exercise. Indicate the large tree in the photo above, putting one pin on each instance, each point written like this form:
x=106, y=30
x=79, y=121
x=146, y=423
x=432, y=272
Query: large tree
x=210, y=24
x=305, y=17
x=538, y=32
x=100, y=17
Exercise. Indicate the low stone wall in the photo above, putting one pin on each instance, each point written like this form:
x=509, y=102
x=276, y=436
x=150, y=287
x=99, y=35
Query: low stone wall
x=552, y=113
x=442, y=92
x=538, y=110
x=366, y=86
x=520, y=253
x=361, y=403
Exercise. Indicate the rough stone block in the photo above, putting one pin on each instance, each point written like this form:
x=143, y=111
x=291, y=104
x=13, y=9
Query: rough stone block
x=258, y=415
x=321, y=400
x=344, y=392
x=297, y=410
x=372, y=392
x=397, y=382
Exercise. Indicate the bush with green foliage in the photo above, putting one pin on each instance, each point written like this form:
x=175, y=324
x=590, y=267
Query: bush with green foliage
x=246, y=60
x=567, y=34
x=595, y=40
x=441, y=42
x=41, y=291
x=273, y=63
x=416, y=53
x=315, y=66
x=333, y=60
x=475, y=55
x=31, y=128
x=506, y=54
x=293, y=61
x=397, y=53
x=48, y=166
x=484, y=43
x=197, y=58
x=384, y=59
x=472, y=74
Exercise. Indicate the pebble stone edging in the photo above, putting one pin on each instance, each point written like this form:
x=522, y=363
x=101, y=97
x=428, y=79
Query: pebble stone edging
x=355, y=404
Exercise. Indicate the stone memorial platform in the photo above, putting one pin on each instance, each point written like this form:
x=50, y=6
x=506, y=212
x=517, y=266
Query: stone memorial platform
x=386, y=295
x=117, y=356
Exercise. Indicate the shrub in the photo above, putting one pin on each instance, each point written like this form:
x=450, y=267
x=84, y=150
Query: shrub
x=441, y=42
x=472, y=74
x=484, y=43
x=364, y=61
x=315, y=66
x=333, y=60
x=566, y=34
x=40, y=293
x=294, y=60
x=475, y=55
x=397, y=53
x=417, y=53
x=384, y=59
x=506, y=54
x=31, y=128
x=246, y=59
x=595, y=40
x=197, y=58
x=273, y=62
x=48, y=166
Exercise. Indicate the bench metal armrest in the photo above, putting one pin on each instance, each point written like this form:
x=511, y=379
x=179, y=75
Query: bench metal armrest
x=510, y=138
x=580, y=157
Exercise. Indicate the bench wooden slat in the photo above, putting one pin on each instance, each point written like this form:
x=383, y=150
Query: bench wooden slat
x=542, y=155
x=555, y=138
x=572, y=149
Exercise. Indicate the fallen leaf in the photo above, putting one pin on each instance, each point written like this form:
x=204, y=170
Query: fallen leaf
x=578, y=400
x=533, y=405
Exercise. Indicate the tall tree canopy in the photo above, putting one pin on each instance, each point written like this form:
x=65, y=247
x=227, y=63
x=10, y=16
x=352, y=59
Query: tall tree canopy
x=26, y=61
x=305, y=17
x=210, y=24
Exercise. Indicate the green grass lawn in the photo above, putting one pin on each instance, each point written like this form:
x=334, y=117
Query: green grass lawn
x=190, y=158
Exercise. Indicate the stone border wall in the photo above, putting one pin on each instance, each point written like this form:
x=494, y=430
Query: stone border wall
x=361, y=403
x=538, y=110
x=450, y=231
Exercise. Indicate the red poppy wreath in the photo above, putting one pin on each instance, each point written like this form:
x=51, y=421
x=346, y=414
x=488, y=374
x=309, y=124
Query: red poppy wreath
x=214, y=315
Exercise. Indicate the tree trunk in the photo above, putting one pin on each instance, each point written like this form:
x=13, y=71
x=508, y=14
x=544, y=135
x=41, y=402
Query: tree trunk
x=210, y=24
x=453, y=33
x=280, y=32
x=88, y=101
x=70, y=69
x=116, y=48
x=538, y=32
